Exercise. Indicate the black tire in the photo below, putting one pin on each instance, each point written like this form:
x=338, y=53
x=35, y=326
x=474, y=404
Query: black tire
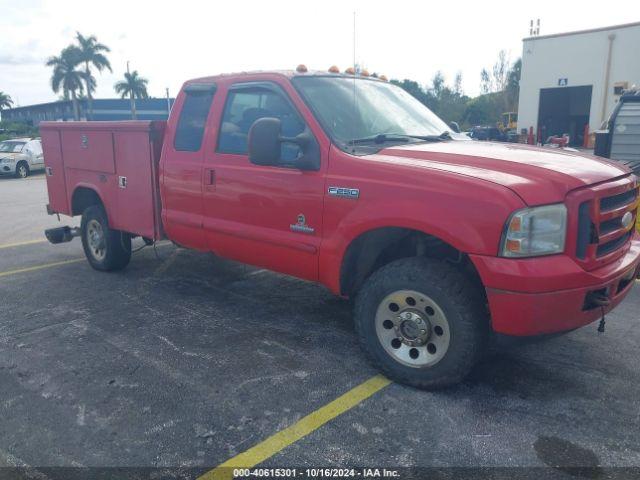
x=115, y=247
x=22, y=170
x=463, y=308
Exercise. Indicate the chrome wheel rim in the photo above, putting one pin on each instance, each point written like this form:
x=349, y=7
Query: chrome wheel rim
x=95, y=240
x=412, y=329
x=22, y=171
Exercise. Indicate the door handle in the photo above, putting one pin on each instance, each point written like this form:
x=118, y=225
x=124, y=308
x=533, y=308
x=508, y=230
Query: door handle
x=211, y=176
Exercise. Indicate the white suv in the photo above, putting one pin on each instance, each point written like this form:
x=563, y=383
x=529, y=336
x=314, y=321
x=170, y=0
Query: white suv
x=20, y=156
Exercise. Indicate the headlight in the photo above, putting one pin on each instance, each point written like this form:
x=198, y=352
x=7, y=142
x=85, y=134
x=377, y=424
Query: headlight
x=8, y=160
x=531, y=232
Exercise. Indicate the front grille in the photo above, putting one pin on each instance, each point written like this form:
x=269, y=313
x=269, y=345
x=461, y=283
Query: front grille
x=609, y=226
x=616, y=201
x=600, y=231
x=613, y=245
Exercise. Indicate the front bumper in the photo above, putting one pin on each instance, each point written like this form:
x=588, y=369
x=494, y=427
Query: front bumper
x=545, y=295
x=7, y=168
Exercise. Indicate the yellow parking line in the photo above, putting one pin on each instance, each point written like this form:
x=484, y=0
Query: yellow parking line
x=20, y=244
x=39, y=267
x=303, y=427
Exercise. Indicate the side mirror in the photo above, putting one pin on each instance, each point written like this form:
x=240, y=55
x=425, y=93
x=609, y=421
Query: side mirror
x=454, y=126
x=265, y=143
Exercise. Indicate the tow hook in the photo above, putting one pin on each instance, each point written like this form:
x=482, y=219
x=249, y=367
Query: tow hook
x=600, y=299
x=61, y=234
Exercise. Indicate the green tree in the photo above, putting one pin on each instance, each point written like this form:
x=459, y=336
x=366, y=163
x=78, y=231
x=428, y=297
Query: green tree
x=499, y=89
x=5, y=101
x=438, y=84
x=133, y=86
x=457, y=84
x=485, y=82
x=446, y=102
x=92, y=54
x=513, y=85
x=412, y=87
x=65, y=76
x=484, y=109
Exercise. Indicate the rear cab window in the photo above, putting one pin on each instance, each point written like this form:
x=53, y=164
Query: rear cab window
x=193, y=117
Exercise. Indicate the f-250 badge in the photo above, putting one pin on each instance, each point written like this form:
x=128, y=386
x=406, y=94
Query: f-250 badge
x=301, y=226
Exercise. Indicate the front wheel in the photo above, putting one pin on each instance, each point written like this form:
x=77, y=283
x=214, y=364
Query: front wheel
x=22, y=170
x=105, y=248
x=422, y=322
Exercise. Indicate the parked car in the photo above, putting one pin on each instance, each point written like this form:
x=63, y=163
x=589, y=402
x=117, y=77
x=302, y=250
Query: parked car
x=441, y=241
x=488, y=133
x=21, y=156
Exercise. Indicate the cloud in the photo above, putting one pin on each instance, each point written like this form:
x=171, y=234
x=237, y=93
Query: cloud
x=22, y=58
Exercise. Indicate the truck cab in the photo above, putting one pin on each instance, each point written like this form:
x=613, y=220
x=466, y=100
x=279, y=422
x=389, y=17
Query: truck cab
x=349, y=181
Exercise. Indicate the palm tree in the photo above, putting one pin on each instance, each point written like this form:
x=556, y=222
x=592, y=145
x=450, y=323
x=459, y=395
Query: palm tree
x=134, y=87
x=91, y=54
x=66, y=77
x=5, y=101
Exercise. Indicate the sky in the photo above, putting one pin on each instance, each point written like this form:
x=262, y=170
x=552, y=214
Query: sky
x=170, y=42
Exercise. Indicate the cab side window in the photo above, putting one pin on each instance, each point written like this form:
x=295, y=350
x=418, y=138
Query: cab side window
x=244, y=107
x=193, y=118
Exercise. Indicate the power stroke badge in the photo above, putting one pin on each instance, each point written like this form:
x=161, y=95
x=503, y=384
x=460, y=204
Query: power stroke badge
x=301, y=226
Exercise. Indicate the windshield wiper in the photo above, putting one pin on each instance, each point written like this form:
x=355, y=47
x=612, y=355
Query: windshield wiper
x=380, y=138
x=429, y=138
x=399, y=137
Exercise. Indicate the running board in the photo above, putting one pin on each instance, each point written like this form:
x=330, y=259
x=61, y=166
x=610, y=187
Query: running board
x=61, y=234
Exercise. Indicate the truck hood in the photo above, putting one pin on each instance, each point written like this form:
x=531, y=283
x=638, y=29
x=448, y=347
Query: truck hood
x=537, y=175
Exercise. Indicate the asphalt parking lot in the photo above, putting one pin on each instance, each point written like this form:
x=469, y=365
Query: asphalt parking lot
x=187, y=360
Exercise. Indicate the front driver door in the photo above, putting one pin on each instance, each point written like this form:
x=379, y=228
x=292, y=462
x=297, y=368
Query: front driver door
x=269, y=216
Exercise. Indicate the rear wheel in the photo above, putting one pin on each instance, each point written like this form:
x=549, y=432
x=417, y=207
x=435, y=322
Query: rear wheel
x=422, y=322
x=22, y=170
x=105, y=248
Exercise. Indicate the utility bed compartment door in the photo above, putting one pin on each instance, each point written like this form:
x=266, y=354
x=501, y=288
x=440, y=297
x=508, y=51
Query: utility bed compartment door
x=88, y=150
x=137, y=180
x=55, y=175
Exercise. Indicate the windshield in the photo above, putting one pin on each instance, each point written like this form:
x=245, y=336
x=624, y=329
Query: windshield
x=12, y=147
x=378, y=109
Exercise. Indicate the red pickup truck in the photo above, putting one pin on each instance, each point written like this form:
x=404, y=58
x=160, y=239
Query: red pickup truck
x=349, y=181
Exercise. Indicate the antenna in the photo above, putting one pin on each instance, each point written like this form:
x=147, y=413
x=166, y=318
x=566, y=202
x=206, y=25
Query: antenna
x=355, y=109
x=354, y=41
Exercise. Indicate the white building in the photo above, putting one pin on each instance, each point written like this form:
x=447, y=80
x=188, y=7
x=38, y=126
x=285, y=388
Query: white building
x=573, y=79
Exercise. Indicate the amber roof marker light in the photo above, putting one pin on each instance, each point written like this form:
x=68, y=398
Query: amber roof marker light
x=301, y=68
x=350, y=71
x=334, y=69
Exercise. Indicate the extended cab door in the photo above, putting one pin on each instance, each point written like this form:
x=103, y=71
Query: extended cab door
x=269, y=216
x=182, y=166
